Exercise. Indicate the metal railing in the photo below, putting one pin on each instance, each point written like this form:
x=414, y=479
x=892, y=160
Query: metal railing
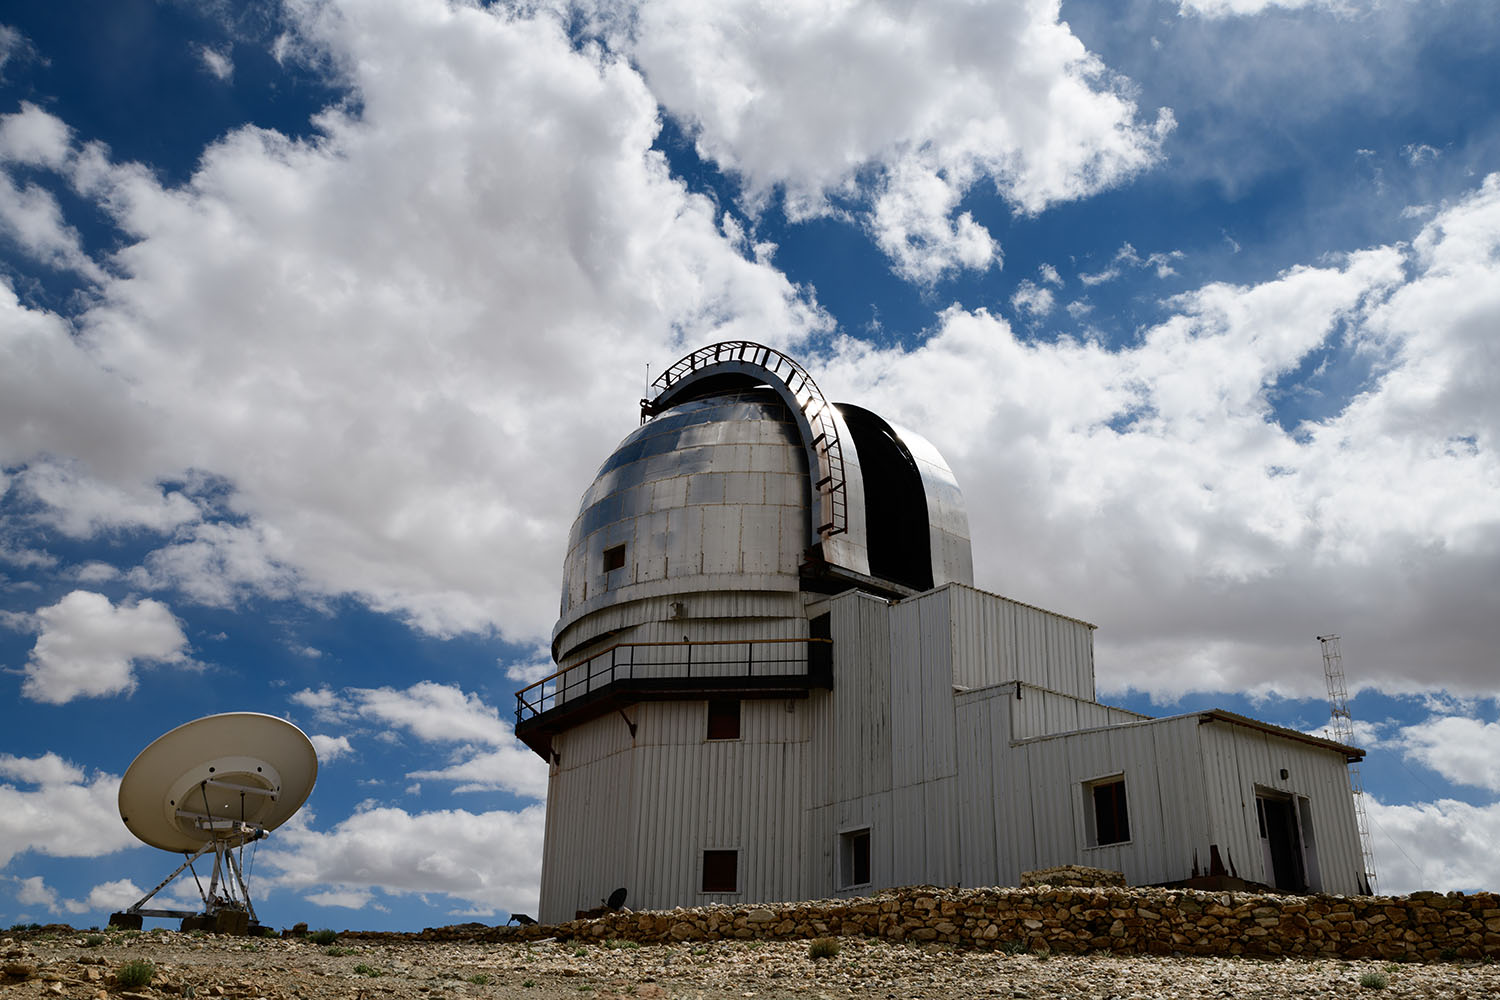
x=720, y=658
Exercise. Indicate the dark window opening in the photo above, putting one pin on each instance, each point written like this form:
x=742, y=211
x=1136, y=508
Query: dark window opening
x=820, y=654
x=721, y=871
x=614, y=557
x=1110, y=815
x=895, y=502
x=724, y=719
x=854, y=858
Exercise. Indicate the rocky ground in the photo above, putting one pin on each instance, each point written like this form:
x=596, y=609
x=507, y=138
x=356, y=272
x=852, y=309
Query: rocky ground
x=78, y=964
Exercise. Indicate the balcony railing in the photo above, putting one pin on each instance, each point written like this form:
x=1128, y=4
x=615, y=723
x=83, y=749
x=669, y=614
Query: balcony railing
x=715, y=662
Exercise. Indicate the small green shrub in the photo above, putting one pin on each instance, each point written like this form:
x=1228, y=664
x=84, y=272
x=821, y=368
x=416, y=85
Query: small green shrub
x=135, y=974
x=337, y=951
x=528, y=983
x=368, y=970
x=823, y=947
x=580, y=952
x=94, y=940
x=323, y=936
x=480, y=979
x=1374, y=980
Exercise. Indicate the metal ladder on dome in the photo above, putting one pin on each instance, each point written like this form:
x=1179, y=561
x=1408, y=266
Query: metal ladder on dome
x=816, y=410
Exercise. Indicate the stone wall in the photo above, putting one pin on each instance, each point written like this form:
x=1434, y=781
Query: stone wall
x=1425, y=926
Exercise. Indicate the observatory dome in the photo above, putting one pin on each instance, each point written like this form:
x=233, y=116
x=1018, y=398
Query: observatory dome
x=743, y=489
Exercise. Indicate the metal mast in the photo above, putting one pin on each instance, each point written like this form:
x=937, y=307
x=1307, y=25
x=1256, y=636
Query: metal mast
x=1343, y=732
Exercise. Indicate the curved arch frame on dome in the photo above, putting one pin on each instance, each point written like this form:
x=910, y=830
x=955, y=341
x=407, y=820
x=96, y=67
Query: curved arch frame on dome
x=835, y=469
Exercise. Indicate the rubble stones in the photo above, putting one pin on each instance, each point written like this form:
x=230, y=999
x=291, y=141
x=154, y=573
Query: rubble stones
x=1422, y=927
x=215, y=966
x=1073, y=875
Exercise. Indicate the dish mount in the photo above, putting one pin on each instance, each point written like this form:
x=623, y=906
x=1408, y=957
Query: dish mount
x=214, y=785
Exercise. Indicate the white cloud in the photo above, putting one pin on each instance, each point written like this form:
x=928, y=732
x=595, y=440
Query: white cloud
x=1149, y=489
x=95, y=572
x=330, y=748
x=353, y=899
x=81, y=506
x=530, y=671
x=488, y=756
x=33, y=137
x=1441, y=846
x=88, y=647
x=275, y=315
x=220, y=564
x=1463, y=750
x=1127, y=257
x=217, y=62
x=510, y=768
x=1245, y=8
x=436, y=713
x=34, y=891
x=323, y=701
x=1049, y=275
x=489, y=859
x=933, y=98
x=1031, y=299
x=120, y=893
x=104, y=897
x=67, y=814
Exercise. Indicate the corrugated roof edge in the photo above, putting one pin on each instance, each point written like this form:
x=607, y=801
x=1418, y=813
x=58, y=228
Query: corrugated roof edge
x=1235, y=719
x=1204, y=716
x=1008, y=600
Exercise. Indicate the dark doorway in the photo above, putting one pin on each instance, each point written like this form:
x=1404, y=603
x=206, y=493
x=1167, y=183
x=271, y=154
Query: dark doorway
x=1281, y=842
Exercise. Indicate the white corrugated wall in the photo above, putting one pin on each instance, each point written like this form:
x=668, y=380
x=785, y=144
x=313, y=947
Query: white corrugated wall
x=1237, y=759
x=639, y=813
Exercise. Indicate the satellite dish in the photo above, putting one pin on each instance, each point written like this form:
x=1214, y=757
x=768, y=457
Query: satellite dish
x=217, y=778
x=215, y=784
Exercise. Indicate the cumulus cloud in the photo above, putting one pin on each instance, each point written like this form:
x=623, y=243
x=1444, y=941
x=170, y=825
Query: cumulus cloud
x=1442, y=846
x=349, y=296
x=330, y=748
x=105, y=897
x=88, y=647
x=932, y=99
x=1463, y=750
x=68, y=814
x=1031, y=299
x=487, y=756
x=1151, y=489
x=490, y=859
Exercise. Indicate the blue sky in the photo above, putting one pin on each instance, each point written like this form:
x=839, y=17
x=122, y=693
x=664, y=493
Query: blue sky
x=316, y=319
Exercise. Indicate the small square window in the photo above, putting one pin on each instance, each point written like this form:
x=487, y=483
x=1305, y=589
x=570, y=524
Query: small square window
x=854, y=858
x=724, y=719
x=1107, y=813
x=614, y=557
x=721, y=871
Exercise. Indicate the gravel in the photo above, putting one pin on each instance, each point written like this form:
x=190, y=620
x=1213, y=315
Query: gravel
x=194, y=967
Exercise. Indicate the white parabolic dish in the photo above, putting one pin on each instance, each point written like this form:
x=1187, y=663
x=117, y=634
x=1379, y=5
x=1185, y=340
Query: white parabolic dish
x=215, y=778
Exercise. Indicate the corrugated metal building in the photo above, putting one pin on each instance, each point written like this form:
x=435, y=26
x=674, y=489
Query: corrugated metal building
x=777, y=681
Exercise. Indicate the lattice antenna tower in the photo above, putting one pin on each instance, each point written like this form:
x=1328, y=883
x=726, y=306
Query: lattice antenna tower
x=1343, y=732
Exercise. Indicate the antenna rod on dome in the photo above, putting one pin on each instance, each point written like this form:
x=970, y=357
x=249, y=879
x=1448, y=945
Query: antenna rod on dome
x=646, y=399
